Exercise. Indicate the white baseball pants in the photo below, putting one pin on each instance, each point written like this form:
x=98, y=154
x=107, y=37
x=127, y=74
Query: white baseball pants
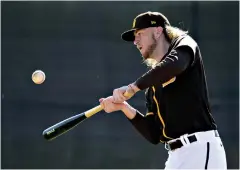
x=206, y=153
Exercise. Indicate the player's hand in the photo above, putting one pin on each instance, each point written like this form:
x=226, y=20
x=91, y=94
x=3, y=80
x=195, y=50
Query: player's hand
x=109, y=106
x=118, y=94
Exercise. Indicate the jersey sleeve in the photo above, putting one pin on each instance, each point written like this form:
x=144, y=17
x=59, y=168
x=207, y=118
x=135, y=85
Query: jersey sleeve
x=171, y=66
x=189, y=44
x=181, y=56
x=147, y=127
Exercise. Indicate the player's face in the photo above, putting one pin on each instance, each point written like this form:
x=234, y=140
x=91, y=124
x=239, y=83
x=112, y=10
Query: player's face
x=145, y=42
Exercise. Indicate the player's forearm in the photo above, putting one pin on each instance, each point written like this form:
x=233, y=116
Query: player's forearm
x=145, y=125
x=129, y=111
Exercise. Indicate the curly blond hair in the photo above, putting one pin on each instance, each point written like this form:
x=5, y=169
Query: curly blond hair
x=170, y=33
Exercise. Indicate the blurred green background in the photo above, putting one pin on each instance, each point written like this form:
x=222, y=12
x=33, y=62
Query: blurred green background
x=78, y=46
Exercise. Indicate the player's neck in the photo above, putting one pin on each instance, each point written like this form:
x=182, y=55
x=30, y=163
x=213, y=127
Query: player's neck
x=161, y=49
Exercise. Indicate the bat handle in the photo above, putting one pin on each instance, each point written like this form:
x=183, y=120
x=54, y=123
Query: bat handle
x=93, y=111
x=127, y=94
x=99, y=108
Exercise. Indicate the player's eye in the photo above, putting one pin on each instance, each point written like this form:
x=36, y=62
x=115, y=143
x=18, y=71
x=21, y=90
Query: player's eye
x=139, y=33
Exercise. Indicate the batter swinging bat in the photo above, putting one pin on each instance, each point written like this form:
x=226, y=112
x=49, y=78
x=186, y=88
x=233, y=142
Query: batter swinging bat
x=67, y=124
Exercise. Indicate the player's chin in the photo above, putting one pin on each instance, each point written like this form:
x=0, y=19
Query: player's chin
x=145, y=57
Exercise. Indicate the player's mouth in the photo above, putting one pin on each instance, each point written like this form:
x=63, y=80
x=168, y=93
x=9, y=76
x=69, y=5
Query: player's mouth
x=139, y=48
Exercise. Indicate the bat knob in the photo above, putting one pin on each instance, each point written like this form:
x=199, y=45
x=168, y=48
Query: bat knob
x=48, y=134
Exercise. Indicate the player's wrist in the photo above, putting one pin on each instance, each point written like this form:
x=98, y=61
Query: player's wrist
x=124, y=106
x=134, y=87
x=128, y=110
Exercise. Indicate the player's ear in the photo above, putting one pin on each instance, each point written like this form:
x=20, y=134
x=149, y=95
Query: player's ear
x=158, y=32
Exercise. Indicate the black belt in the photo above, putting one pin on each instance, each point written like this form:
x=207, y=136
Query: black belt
x=178, y=144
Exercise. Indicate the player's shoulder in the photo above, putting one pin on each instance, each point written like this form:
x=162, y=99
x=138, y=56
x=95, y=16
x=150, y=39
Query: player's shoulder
x=185, y=41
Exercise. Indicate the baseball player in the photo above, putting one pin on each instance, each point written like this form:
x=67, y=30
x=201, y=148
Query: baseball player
x=178, y=112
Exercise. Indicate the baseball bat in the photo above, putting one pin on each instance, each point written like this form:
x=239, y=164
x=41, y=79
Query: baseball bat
x=69, y=123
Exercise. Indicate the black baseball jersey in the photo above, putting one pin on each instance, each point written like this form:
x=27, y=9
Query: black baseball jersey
x=176, y=95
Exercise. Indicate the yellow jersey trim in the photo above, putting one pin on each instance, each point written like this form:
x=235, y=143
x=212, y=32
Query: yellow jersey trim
x=169, y=81
x=149, y=113
x=159, y=114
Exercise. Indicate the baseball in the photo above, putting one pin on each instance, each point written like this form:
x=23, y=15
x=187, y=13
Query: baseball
x=38, y=77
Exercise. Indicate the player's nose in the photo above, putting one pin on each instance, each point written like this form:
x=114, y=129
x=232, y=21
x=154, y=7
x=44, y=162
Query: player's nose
x=136, y=41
